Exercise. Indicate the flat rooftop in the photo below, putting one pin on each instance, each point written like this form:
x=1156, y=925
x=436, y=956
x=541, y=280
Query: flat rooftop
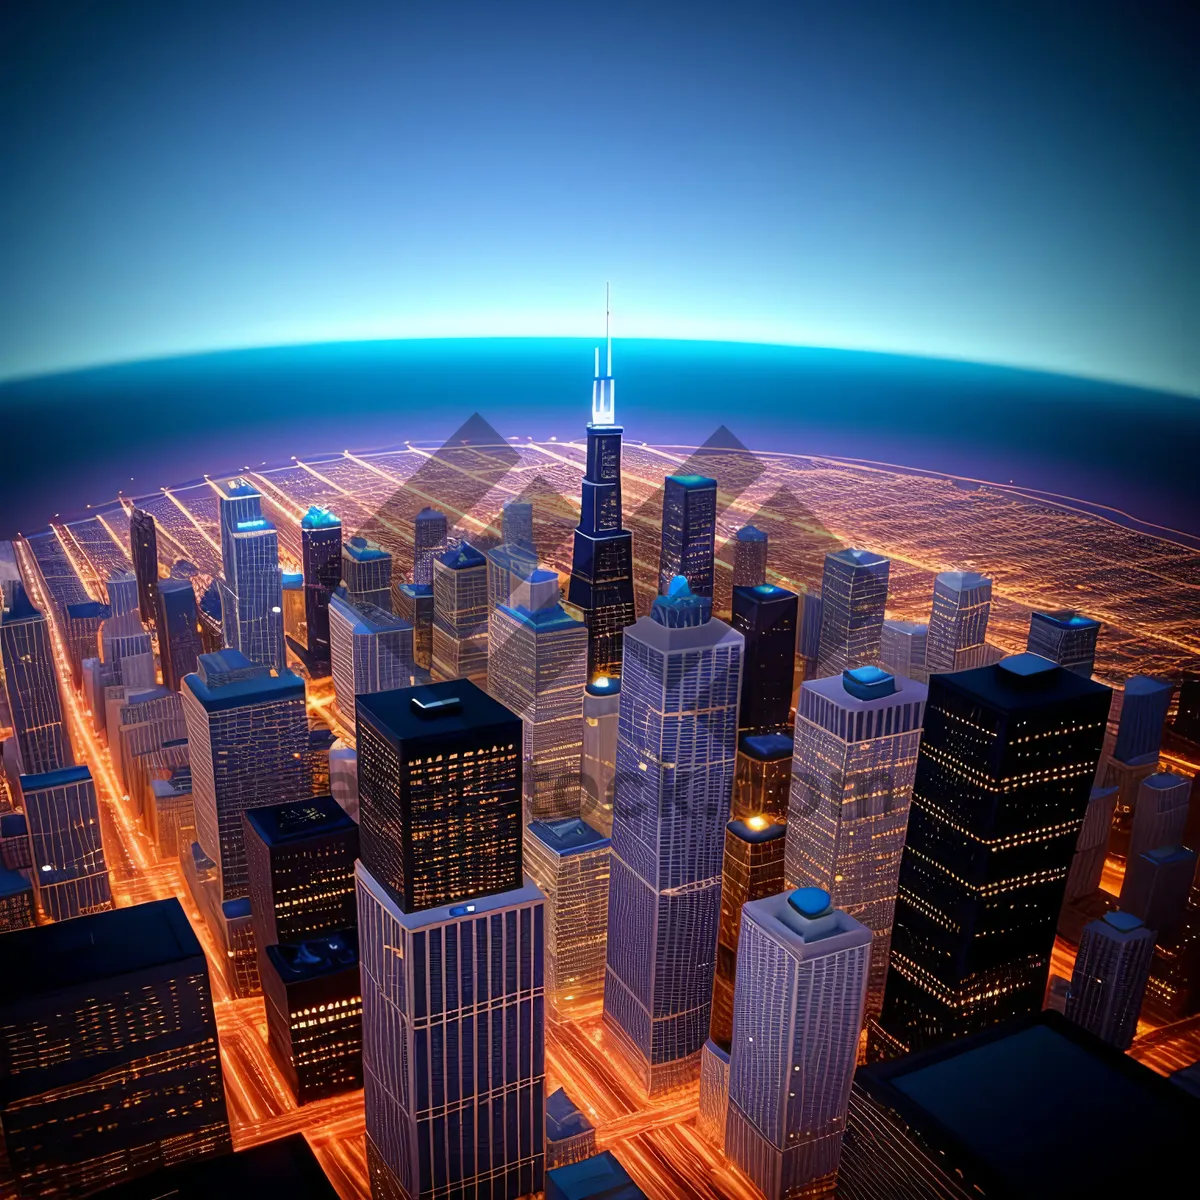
x=298, y=820
x=571, y=835
x=393, y=713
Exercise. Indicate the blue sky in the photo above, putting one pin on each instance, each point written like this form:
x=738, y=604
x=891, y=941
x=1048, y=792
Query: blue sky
x=1010, y=183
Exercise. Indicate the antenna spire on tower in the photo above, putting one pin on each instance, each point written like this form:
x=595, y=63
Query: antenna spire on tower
x=607, y=326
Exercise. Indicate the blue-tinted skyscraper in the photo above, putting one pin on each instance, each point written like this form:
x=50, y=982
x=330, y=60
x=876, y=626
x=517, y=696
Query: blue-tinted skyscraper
x=367, y=572
x=252, y=592
x=178, y=626
x=31, y=686
x=676, y=751
x=516, y=524
x=372, y=651
x=429, y=543
x=460, y=615
x=1065, y=637
x=749, y=557
x=689, y=530
x=143, y=550
x=321, y=543
x=957, y=634
x=122, y=589
x=1144, y=707
x=766, y=616
x=83, y=621
x=853, y=598
x=602, y=562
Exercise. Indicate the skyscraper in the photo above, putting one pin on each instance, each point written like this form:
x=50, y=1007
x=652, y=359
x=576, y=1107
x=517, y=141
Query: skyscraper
x=127, y=651
x=451, y=942
x=1004, y=772
x=248, y=734
x=798, y=1009
x=516, y=524
x=852, y=780
x=508, y=567
x=439, y=780
x=372, y=651
x=429, y=543
x=367, y=572
x=1156, y=888
x=1065, y=637
x=676, y=748
x=601, y=708
x=83, y=621
x=122, y=589
x=1161, y=813
x=143, y=550
x=460, y=615
x=178, y=625
x=569, y=861
x=16, y=901
x=1144, y=706
x=70, y=875
x=1110, y=976
x=321, y=545
x=538, y=669
x=252, y=592
x=808, y=645
x=602, y=560
x=689, y=528
x=962, y=601
x=749, y=557
x=854, y=591
x=766, y=616
x=902, y=649
x=108, y=1050
x=1091, y=847
x=763, y=779
x=31, y=688
x=295, y=624
x=414, y=603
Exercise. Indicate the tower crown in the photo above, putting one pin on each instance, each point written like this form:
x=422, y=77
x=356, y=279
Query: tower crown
x=604, y=405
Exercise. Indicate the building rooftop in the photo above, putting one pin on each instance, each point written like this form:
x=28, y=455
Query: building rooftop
x=1123, y=921
x=228, y=679
x=748, y=533
x=869, y=683
x=59, y=778
x=291, y=581
x=239, y=488
x=13, y=883
x=680, y=608
x=833, y=688
x=563, y=1118
x=1068, y=618
x=692, y=481
x=803, y=917
x=20, y=608
x=89, y=608
x=13, y=824
x=1166, y=781
x=600, y=1177
x=298, y=820
x=319, y=518
x=175, y=584
x=1019, y=682
x=768, y=747
x=1144, y=685
x=417, y=589
x=324, y=955
x=963, y=581
x=552, y=617
x=368, y=619
x=857, y=558
x=1019, y=1109
x=430, y=711
x=41, y=961
x=362, y=550
x=463, y=555
x=571, y=835
x=756, y=830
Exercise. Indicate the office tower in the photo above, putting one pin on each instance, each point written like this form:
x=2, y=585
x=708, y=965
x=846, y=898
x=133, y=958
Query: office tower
x=414, y=603
x=248, y=734
x=507, y=568
x=808, y=644
x=1110, y=976
x=1005, y=768
x=69, y=872
x=601, y=706
x=10, y=573
x=600, y=1177
x=763, y=776
x=321, y=547
x=676, y=748
x=1187, y=716
x=83, y=621
x=752, y=870
x=570, y=1136
x=957, y=632
x=516, y=524
x=689, y=528
x=460, y=615
x=538, y=669
x=1144, y=706
x=178, y=625
x=439, y=781
x=295, y=626
x=211, y=636
x=749, y=557
x=569, y=861
x=854, y=591
x=902, y=648
x=123, y=595
x=1156, y=888
x=367, y=572
x=371, y=651
x=601, y=585
x=143, y=551
x=31, y=688
x=252, y=593
x=16, y=901
x=173, y=817
x=1161, y=812
x=1091, y=847
x=15, y=851
x=713, y=1109
x=766, y=616
x=429, y=543
x=1065, y=637
x=343, y=778
x=852, y=779
x=802, y=983
x=127, y=651
x=108, y=1050
x=313, y=1000
x=300, y=866
x=148, y=720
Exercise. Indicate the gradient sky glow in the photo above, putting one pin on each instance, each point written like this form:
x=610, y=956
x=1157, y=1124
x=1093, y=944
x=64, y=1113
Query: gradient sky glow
x=1014, y=183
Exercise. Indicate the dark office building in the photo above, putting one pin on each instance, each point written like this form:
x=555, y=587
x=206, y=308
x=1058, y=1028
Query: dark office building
x=1065, y=637
x=178, y=625
x=83, y=630
x=1005, y=769
x=143, y=549
x=212, y=636
x=689, y=529
x=15, y=852
x=300, y=863
x=109, y=1065
x=766, y=616
x=367, y=572
x=439, y=784
x=429, y=543
x=1187, y=716
x=314, y=1013
x=321, y=544
x=414, y=603
x=762, y=781
x=16, y=901
x=1144, y=705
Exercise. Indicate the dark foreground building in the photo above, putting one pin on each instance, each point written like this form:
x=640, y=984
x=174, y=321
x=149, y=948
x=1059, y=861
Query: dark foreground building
x=109, y=1065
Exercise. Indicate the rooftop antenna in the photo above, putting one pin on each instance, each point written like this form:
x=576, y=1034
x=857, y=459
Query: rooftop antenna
x=607, y=326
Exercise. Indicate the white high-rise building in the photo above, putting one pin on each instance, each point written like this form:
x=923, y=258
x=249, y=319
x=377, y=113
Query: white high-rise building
x=460, y=615
x=962, y=601
x=801, y=986
x=902, y=649
x=1160, y=814
x=601, y=708
x=854, y=590
x=371, y=651
x=1110, y=976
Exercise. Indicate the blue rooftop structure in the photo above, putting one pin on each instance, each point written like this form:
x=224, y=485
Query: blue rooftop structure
x=362, y=550
x=13, y=883
x=295, y=821
x=600, y=1177
x=89, y=608
x=554, y=617
x=291, y=580
x=462, y=555
x=324, y=955
x=693, y=481
x=748, y=533
x=59, y=778
x=764, y=831
x=569, y=835
x=868, y=683
x=319, y=518
x=563, y=1118
x=228, y=679
x=681, y=607
x=604, y=685
x=768, y=747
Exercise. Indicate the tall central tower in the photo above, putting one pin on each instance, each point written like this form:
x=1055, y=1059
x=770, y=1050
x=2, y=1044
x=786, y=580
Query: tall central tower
x=602, y=564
